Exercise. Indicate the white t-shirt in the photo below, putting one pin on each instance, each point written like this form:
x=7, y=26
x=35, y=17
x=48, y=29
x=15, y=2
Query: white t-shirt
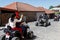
x=13, y=24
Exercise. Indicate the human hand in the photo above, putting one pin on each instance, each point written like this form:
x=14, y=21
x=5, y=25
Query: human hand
x=22, y=16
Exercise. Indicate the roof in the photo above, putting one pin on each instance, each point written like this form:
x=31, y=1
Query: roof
x=2, y=8
x=41, y=8
x=22, y=7
x=47, y=11
x=26, y=7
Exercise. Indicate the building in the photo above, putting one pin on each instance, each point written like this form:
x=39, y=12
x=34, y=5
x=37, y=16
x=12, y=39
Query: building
x=27, y=10
x=56, y=8
x=50, y=13
x=30, y=12
x=5, y=13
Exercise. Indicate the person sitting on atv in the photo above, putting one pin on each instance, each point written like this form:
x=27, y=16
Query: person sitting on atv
x=12, y=23
x=40, y=17
x=24, y=27
x=20, y=25
x=45, y=17
x=56, y=18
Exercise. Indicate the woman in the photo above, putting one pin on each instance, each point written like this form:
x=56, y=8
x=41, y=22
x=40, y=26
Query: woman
x=12, y=23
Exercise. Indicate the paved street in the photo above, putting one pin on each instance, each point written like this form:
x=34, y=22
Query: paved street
x=51, y=32
x=47, y=33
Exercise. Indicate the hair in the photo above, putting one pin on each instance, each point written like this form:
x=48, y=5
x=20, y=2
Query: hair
x=45, y=14
x=12, y=17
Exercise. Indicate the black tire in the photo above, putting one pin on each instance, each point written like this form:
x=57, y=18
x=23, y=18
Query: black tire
x=49, y=23
x=30, y=34
x=15, y=38
x=36, y=24
x=57, y=19
x=2, y=37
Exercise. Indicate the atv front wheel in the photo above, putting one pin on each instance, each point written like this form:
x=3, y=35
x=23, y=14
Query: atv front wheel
x=30, y=34
x=15, y=38
x=36, y=24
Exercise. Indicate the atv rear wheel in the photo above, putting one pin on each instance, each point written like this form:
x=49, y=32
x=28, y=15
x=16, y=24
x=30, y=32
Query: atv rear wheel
x=2, y=37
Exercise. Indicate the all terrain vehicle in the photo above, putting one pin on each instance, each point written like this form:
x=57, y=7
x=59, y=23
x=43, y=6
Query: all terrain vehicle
x=15, y=34
x=43, y=22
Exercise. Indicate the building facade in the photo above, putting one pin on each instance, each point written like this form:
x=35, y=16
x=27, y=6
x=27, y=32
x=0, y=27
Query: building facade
x=30, y=12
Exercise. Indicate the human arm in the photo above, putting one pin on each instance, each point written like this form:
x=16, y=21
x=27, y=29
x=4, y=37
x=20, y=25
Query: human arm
x=8, y=23
x=19, y=19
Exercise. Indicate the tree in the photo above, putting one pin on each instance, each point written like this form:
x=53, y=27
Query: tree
x=51, y=7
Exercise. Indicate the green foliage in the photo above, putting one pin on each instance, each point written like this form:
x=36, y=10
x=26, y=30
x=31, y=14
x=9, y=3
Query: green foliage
x=51, y=7
x=57, y=12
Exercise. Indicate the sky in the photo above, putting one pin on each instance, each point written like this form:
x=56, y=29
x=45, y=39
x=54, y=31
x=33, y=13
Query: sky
x=36, y=3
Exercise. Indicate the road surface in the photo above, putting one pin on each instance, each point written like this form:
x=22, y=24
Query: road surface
x=51, y=32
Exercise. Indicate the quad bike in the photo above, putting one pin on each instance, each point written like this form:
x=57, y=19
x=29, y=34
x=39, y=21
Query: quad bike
x=56, y=19
x=10, y=34
x=15, y=34
x=43, y=22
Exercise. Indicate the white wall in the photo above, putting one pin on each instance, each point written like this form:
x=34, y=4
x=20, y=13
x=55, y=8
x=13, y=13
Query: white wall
x=56, y=9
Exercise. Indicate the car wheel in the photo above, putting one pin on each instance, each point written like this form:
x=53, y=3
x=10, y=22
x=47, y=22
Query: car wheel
x=15, y=38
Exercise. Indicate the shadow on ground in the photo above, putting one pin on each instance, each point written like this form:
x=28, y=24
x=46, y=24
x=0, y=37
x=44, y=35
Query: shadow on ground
x=34, y=37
